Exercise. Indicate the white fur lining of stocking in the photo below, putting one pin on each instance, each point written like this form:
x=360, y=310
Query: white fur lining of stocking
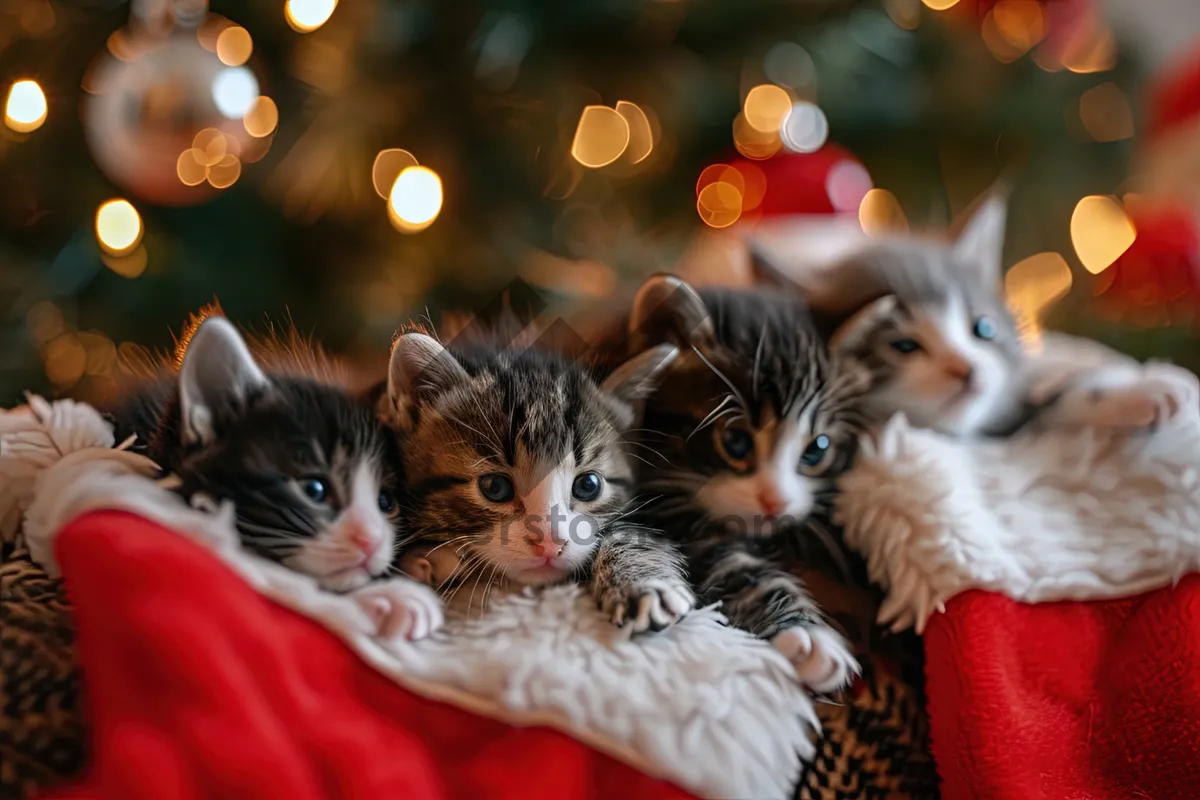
x=1067, y=514
x=706, y=706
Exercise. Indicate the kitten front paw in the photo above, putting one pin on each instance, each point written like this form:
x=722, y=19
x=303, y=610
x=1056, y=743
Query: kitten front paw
x=401, y=608
x=822, y=659
x=648, y=605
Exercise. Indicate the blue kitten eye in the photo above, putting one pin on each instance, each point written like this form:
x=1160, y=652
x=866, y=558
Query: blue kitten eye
x=906, y=346
x=587, y=486
x=387, y=502
x=985, y=328
x=814, y=454
x=314, y=489
x=496, y=487
x=737, y=443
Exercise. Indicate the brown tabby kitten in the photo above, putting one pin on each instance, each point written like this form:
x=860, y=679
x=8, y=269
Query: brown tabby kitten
x=517, y=460
x=749, y=426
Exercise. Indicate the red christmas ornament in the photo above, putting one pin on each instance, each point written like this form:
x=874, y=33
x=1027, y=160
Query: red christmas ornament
x=1159, y=275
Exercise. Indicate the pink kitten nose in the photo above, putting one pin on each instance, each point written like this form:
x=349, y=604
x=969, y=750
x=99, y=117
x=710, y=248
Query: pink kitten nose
x=770, y=504
x=547, y=550
x=364, y=541
x=964, y=372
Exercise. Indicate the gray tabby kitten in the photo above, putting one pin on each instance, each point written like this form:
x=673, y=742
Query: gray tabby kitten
x=926, y=318
x=518, y=462
x=312, y=475
x=748, y=428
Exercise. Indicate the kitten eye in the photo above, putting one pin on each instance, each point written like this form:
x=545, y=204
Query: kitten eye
x=816, y=451
x=387, y=502
x=587, y=486
x=737, y=443
x=985, y=328
x=314, y=489
x=496, y=487
x=906, y=346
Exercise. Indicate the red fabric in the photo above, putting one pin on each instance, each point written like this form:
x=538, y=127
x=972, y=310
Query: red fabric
x=197, y=687
x=1088, y=701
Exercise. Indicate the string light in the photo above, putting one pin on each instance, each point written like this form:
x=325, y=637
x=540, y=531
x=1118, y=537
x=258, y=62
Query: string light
x=262, y=118
x=754, y=143
x=1101, y=231
x=600, y=137
x=118, y=227
x=234, y=46
x=191, y=167
x=415, y=199
x=719, y=204
x=940, y=5
x=805, y=128
x=235, y=91
x=225, y=172
x=26, y=109
x=1033, y=286
x=880, y=212
x=305, y=16
x=641, y=138
x=387, y=167
x=766, y=106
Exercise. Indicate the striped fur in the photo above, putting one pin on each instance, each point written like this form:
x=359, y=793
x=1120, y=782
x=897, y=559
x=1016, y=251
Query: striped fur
x=475, y=417
x=756, y=365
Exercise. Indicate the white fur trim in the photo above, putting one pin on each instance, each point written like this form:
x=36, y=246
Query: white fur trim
x=709, y=707
x=1054, y=515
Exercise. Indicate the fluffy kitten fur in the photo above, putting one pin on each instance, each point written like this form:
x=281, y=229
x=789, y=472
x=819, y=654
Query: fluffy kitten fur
x=927, y=319
x=517, y=460
x=311, y=473
x=746, y=431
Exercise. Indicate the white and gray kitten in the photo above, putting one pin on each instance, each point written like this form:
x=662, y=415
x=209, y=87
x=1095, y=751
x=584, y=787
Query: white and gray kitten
x=926, y=317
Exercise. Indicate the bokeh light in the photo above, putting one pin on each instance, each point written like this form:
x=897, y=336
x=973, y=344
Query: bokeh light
x=847, y=184
x=25, y=110
x=754, y=143
x=1033, y=286
x=641, y=138
x=235, y=90
x=212, y=144
x=1090, y=49
x=719, y=204
x=601, y=137
x=387, y=167
x=306, y=16
x=1100, y=231
x=1021, y=23
x=192, y=167
x=805, y=128
x=415, y=199
x=234, y=46
x=65, y=361
x=45, y=321
x=880, y=212
x=905, y=13
x=766, y=106
x=262, y=118
x=225, y=172
x=789, y=64
x=940, y=5
x=118, y=227
x=1106, y=114
x=722, y=173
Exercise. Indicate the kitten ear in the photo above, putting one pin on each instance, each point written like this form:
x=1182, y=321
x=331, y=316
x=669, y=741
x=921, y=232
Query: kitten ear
x=636, y=379
x=420, y=362
x=667, y=309
x=980, y=245
x=852, y=334
x=216, y=380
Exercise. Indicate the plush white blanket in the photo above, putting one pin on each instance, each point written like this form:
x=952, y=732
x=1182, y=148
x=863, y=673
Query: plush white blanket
x=706, y=706
x=1068, y=513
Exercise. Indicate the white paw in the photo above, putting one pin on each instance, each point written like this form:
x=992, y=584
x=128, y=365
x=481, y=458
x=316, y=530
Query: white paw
x=401, y=608
x=648, y=606
x=1141, y=402
x=822, y=659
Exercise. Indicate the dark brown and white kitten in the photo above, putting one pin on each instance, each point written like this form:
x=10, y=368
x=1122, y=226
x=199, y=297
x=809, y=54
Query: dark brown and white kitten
x=749, y=426
x=312, y=475
x=517, y=460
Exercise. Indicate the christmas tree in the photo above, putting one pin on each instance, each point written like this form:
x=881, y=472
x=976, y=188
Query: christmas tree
x=353, y=165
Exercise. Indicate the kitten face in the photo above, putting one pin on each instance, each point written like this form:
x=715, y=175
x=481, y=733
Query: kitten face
x=753, y=422
x=516, y=461
x=311, y=472
x=940, y=343
x=947, y=362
